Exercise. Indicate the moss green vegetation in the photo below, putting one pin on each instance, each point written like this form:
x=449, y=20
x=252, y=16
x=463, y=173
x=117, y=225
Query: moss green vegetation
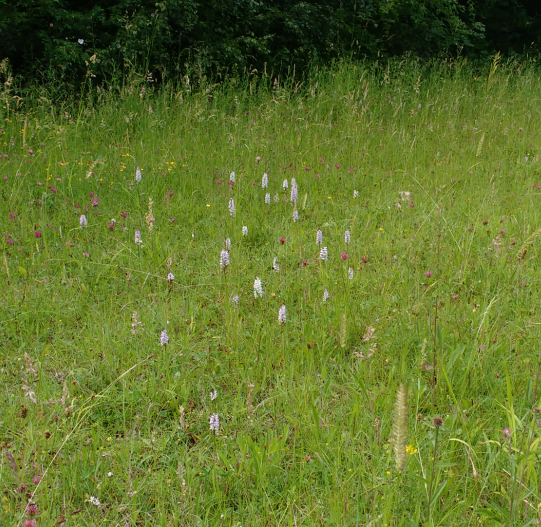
x=435, y=173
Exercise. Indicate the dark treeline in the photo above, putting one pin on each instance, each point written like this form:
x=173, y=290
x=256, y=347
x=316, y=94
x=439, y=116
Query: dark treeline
x=70, y=39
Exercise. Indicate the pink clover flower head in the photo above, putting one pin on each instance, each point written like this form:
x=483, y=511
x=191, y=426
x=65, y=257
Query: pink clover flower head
x=307, y=169
x=282, y=240
x=29, y=523
x=53, y=190
x=412, y=204
x=428, y=274
x=257, y=159
x=320, y=160
x=86, y=255
x=32, y=510
x=506, y=432
x=344, y=256
x=30, y=151
x=338, y=166
x=164, y=339
x=318, y=176
x=454, y=297
x=11, y=216
x=39, y=183
x=304, y=262
x=37, y=234
x=91, y=194
x=364, y=259
x=124, y=214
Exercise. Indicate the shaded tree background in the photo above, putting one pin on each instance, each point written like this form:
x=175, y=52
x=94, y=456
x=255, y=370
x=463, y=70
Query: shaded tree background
x=66, y=39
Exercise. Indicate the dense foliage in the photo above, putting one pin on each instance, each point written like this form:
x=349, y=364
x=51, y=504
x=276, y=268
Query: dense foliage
x=68, y=39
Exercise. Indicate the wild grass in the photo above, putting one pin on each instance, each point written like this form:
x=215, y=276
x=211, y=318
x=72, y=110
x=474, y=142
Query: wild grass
x=102, y=425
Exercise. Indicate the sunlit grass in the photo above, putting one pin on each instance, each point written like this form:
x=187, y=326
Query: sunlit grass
x=444, y=298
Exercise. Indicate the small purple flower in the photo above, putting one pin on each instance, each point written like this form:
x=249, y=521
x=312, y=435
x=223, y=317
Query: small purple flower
x=86, y=255
x=344, y=256
x=338, y=166
x=257, y=159
x=53, y=190
x=428, y=274
x=282, y=240
x=29, y=523
x=214, y=423
x=319, y=237
x=164, y=339
x=37, y=234
x=506, y=432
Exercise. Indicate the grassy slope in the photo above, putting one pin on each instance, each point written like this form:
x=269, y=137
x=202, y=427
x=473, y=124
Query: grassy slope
x=313, y=446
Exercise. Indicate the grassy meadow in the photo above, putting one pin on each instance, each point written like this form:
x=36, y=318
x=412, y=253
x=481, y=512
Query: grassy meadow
x=400, y=386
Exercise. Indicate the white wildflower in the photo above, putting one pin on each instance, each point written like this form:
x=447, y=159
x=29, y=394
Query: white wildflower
x=282, y=314
x=224, y=259
x=232, y=207
x=138, y=175
x=258, y=288
x=324, y=254
x=244, y=230
x=265, y=181
x=267, y=198
x=83, y=221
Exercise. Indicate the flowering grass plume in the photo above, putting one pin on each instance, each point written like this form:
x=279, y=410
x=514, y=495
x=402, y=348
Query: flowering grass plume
x=224, y=259
x=164, y=339
x=258, y=288
x=214, y=422
x=149, y=216
x=400, y=428
x=282, y=317
x=343, y=331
